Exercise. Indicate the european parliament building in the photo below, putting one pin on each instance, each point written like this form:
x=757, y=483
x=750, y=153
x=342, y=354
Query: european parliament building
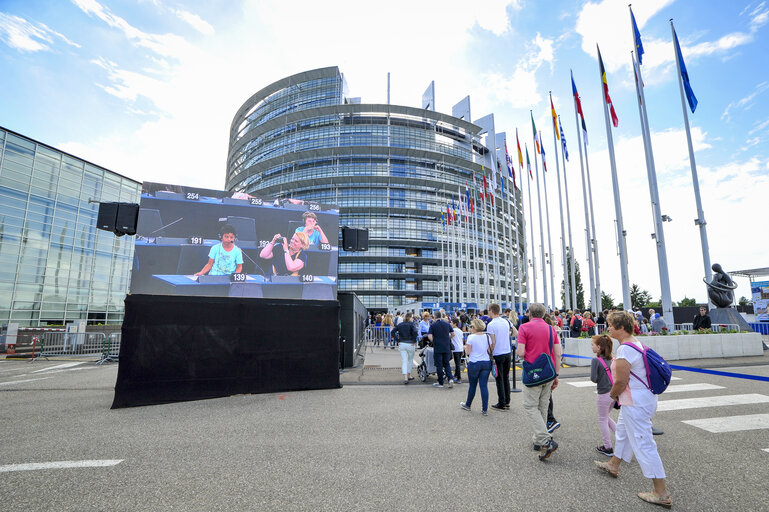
x=55, y=266
x=392, y=169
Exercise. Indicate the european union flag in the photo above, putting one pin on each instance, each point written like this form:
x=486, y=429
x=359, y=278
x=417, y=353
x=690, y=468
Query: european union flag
x=639, y=47
x=690, y=97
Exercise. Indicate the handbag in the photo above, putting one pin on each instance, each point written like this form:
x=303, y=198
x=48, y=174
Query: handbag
x=541, y=370
x=494, y=370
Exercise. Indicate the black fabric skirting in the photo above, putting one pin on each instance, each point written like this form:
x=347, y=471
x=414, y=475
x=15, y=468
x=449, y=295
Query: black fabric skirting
x=177, y=348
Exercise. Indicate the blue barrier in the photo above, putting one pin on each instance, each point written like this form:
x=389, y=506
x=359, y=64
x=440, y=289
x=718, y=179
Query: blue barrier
x=699, y=370
x=760, y=327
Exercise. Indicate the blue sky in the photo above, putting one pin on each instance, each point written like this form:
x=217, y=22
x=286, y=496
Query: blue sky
x=149, y=88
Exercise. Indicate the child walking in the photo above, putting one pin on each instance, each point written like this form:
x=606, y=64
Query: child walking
x=600, y=373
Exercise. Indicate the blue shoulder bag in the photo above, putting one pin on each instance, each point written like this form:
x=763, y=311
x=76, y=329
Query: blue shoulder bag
x=541, y=370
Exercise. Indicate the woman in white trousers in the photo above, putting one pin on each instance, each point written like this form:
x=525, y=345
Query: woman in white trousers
x=634, y=427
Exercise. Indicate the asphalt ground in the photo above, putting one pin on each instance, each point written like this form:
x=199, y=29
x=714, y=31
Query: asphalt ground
x=375, y=444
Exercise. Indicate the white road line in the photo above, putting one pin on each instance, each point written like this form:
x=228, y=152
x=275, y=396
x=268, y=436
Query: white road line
x=64, y=464
x=766, y=450
x=21, y=381
x=711, y=401
x=675, y=378
x=731, y=423
x=682, y=388
x=581, y=383
x=58, y=366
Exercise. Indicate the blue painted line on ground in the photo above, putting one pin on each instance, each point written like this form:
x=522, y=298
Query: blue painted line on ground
x=700, y=370
x=723, y=374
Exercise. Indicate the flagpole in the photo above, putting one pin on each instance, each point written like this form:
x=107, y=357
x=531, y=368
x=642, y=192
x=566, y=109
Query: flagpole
x=476, y=251
x=517, y=297
x=547, y=216
x=541, y=226
x=443, y=261
x=507, y=239
x=621, y=233
x=594, y=239
x=700, y=220
x=533, y=246
x=659, y=234
x=588, y=237
x=573, y=270
x=566, y=294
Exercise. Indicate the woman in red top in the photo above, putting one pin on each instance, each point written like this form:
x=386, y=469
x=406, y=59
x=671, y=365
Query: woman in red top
x=588, y=325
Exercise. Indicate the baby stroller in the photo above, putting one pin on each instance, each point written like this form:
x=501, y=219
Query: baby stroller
x=427, y=366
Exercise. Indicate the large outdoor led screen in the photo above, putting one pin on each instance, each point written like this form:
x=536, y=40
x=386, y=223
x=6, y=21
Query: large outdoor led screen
x=192, y=241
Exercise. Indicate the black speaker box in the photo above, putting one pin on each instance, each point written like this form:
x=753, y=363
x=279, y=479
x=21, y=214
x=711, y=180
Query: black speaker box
x=127, y=215
x=107, y=216
x=362, y=244
x=349, y=239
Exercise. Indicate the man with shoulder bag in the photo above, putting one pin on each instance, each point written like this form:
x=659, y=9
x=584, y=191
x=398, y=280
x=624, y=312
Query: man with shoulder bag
x=540, y=349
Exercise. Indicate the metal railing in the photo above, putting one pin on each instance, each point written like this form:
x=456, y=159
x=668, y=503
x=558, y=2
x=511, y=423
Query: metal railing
x=714, y=327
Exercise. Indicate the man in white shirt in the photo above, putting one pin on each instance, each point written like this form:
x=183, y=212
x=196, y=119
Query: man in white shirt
x=500, y=328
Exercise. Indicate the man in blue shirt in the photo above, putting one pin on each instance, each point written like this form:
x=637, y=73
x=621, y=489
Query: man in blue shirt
x=440, y=334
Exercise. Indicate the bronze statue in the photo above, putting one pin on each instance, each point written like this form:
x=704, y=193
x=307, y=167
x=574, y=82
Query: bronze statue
x=721, y=288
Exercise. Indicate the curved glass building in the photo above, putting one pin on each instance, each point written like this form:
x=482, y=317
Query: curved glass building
x=404, y=173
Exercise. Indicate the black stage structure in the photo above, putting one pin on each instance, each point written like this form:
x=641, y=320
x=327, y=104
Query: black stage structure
x=179, y=348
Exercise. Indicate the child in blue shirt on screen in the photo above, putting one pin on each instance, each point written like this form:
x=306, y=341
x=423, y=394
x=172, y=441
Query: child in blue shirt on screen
x=224, y=258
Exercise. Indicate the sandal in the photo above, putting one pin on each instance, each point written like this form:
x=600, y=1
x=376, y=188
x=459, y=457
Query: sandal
x=605, y=467
x=654, y=499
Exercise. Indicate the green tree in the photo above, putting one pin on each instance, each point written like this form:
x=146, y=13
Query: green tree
x=687, y=302
x=577, y=278
x=606, y=301
x=639, y=298
x=744, y=301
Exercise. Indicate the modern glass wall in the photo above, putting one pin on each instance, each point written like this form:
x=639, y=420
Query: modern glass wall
x=55, y=266
x=390, y=169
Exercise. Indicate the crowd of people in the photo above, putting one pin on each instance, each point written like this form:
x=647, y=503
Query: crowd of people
x=489, y=342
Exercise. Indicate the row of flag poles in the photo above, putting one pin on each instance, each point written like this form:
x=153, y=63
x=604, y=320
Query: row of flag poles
x=473, y=233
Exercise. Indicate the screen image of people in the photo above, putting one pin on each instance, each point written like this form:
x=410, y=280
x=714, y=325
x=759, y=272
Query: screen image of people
x=193, y=241
x=311, y=228
x=224, y=258
x=286, y=257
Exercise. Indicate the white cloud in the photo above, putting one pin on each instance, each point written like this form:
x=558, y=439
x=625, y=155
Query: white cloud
x=519, y=89
x=195, y=21
x=608, y=24
x=166, y=45
x=759, y=16
x=744, y=103
x=26, y=36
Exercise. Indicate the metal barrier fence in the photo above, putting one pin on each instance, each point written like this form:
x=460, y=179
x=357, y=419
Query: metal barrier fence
x=374, y=336
x=60, y=343
x=713, y=327
x=760, y=327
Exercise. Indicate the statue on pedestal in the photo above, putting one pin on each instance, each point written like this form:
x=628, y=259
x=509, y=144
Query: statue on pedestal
x=721, y=287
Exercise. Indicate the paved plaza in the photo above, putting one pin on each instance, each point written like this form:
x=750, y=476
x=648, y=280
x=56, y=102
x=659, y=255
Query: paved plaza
x=375, y=444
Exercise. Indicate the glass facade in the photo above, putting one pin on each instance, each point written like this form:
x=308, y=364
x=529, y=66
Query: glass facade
x=390, y=169
x=55, y=266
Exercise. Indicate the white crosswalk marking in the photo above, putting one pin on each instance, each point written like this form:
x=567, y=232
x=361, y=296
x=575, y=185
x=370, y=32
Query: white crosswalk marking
x=581, y=383
x=766, y=450
x=731, y=423
x=711, y=401
x=58, y=367
x=64, y=464
x=681, y=388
